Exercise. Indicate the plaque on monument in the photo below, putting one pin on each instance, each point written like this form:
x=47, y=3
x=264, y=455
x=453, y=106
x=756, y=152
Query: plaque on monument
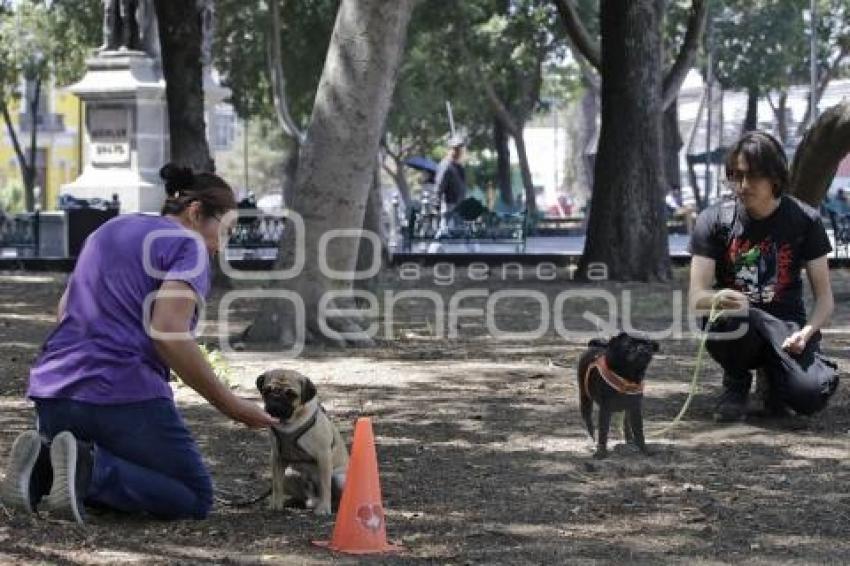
x=109, y=135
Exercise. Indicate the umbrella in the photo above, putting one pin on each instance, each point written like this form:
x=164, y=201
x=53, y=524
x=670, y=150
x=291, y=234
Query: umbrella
x=421, y=164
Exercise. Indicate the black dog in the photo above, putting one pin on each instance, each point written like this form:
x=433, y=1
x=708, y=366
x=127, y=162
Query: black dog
x=611, y=374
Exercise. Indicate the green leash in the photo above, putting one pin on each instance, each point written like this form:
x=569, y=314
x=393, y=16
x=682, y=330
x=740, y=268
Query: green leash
x=713, y=315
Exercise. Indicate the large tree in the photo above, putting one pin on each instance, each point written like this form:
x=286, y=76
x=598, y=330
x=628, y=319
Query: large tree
x=625, y=210
x=336, y=165
x=180, y=40
x=631, y=240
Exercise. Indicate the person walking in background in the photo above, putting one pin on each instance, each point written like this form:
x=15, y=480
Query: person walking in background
x=451, y=185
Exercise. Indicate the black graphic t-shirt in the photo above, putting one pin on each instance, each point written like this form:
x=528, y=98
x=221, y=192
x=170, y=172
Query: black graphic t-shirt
x=762, y=258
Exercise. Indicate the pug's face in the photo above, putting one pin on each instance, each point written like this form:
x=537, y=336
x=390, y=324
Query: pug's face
x=627, y=355
x=284, y=392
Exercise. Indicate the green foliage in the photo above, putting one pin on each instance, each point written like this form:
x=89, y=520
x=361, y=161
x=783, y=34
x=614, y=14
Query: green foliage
x=514, y=44
x=222, y=369
x=240, y=50
x=12, y=198
x=764, y=44
x=37, y=40
x=510, y=39
x=511, y=42
x=78, y=28
x=267, y=147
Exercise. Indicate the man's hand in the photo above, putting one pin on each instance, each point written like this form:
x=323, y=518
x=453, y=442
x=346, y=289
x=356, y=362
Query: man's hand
x=730, y=300
x=796, y=343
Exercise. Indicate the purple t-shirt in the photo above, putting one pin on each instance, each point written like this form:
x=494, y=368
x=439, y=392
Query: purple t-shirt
x=101, y=352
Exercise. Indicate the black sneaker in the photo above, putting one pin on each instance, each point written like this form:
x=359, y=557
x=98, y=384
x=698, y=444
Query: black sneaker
x=766, y=403
x=28, y=473
x=72, y=462
x=731, y=407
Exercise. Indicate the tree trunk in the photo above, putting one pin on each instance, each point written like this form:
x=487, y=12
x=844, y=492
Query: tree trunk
x=782, y=117
x=503, y=163
x=336, y=168
x=751, y=120
x=590, y=112
x=818, y=155
x=180, y=42
x=626, y=228
x=278, y=80
x=372, y=222
x=19, y=152
x=692, y=179
x=677, y=73
x=29, y=178
x=672, y=146
x=293, y=133
x=397, y=174
x=525, y=172
x=289, y=172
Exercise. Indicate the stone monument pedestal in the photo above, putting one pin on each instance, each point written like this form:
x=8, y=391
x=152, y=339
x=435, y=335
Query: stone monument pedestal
x=126, y=137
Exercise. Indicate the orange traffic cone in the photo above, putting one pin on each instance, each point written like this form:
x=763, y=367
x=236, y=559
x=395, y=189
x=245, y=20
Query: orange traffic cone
x=360, y=526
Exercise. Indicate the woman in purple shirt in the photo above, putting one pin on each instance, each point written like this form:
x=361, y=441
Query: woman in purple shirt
x=109, y=433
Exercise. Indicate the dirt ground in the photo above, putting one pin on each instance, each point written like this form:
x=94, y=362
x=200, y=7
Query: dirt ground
x=482, y=456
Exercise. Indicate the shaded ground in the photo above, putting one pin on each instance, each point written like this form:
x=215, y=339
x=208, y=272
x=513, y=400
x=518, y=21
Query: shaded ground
x=482, y=456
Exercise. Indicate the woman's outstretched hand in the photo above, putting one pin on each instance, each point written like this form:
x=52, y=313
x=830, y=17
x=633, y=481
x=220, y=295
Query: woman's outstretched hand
x=249, y=413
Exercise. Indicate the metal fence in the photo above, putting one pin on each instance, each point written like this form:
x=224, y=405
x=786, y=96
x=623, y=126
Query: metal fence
x=19, y=235
x=257, y=232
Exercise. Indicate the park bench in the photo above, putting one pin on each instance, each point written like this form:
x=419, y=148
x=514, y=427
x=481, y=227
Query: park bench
x=554, y=226
x=256, y=237
x=841, y=233
x=478, y=226
x=676, y=226
x=575, y=226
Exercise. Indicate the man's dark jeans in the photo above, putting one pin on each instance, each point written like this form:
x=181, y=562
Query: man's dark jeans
x=803, y=382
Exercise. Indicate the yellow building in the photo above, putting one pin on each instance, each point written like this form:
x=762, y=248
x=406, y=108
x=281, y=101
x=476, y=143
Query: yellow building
x=58, y=143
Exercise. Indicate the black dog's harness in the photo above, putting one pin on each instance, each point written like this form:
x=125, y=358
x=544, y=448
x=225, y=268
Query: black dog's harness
x=287, y=442
x=619, y=384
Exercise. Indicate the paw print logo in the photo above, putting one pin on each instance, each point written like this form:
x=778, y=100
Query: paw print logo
x=371, y=517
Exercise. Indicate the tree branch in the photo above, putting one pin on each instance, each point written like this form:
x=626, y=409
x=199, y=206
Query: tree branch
x=772, y=105
x=825, y=77
x=590, y=76
x=278, y=79
x=499, y=109
x=396, y=172
x=386, y=147
x=19, y=152
x=819, y=154
x=685, y=58
x=578, y=35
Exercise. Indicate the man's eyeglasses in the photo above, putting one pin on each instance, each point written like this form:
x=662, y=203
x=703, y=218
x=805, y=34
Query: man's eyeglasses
x=736, y=176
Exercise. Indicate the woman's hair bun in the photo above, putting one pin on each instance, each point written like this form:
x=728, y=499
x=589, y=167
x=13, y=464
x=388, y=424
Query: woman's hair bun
x=176, y=178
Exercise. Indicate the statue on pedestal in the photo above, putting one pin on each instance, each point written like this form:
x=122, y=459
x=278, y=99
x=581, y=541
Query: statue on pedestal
x=130, y=25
